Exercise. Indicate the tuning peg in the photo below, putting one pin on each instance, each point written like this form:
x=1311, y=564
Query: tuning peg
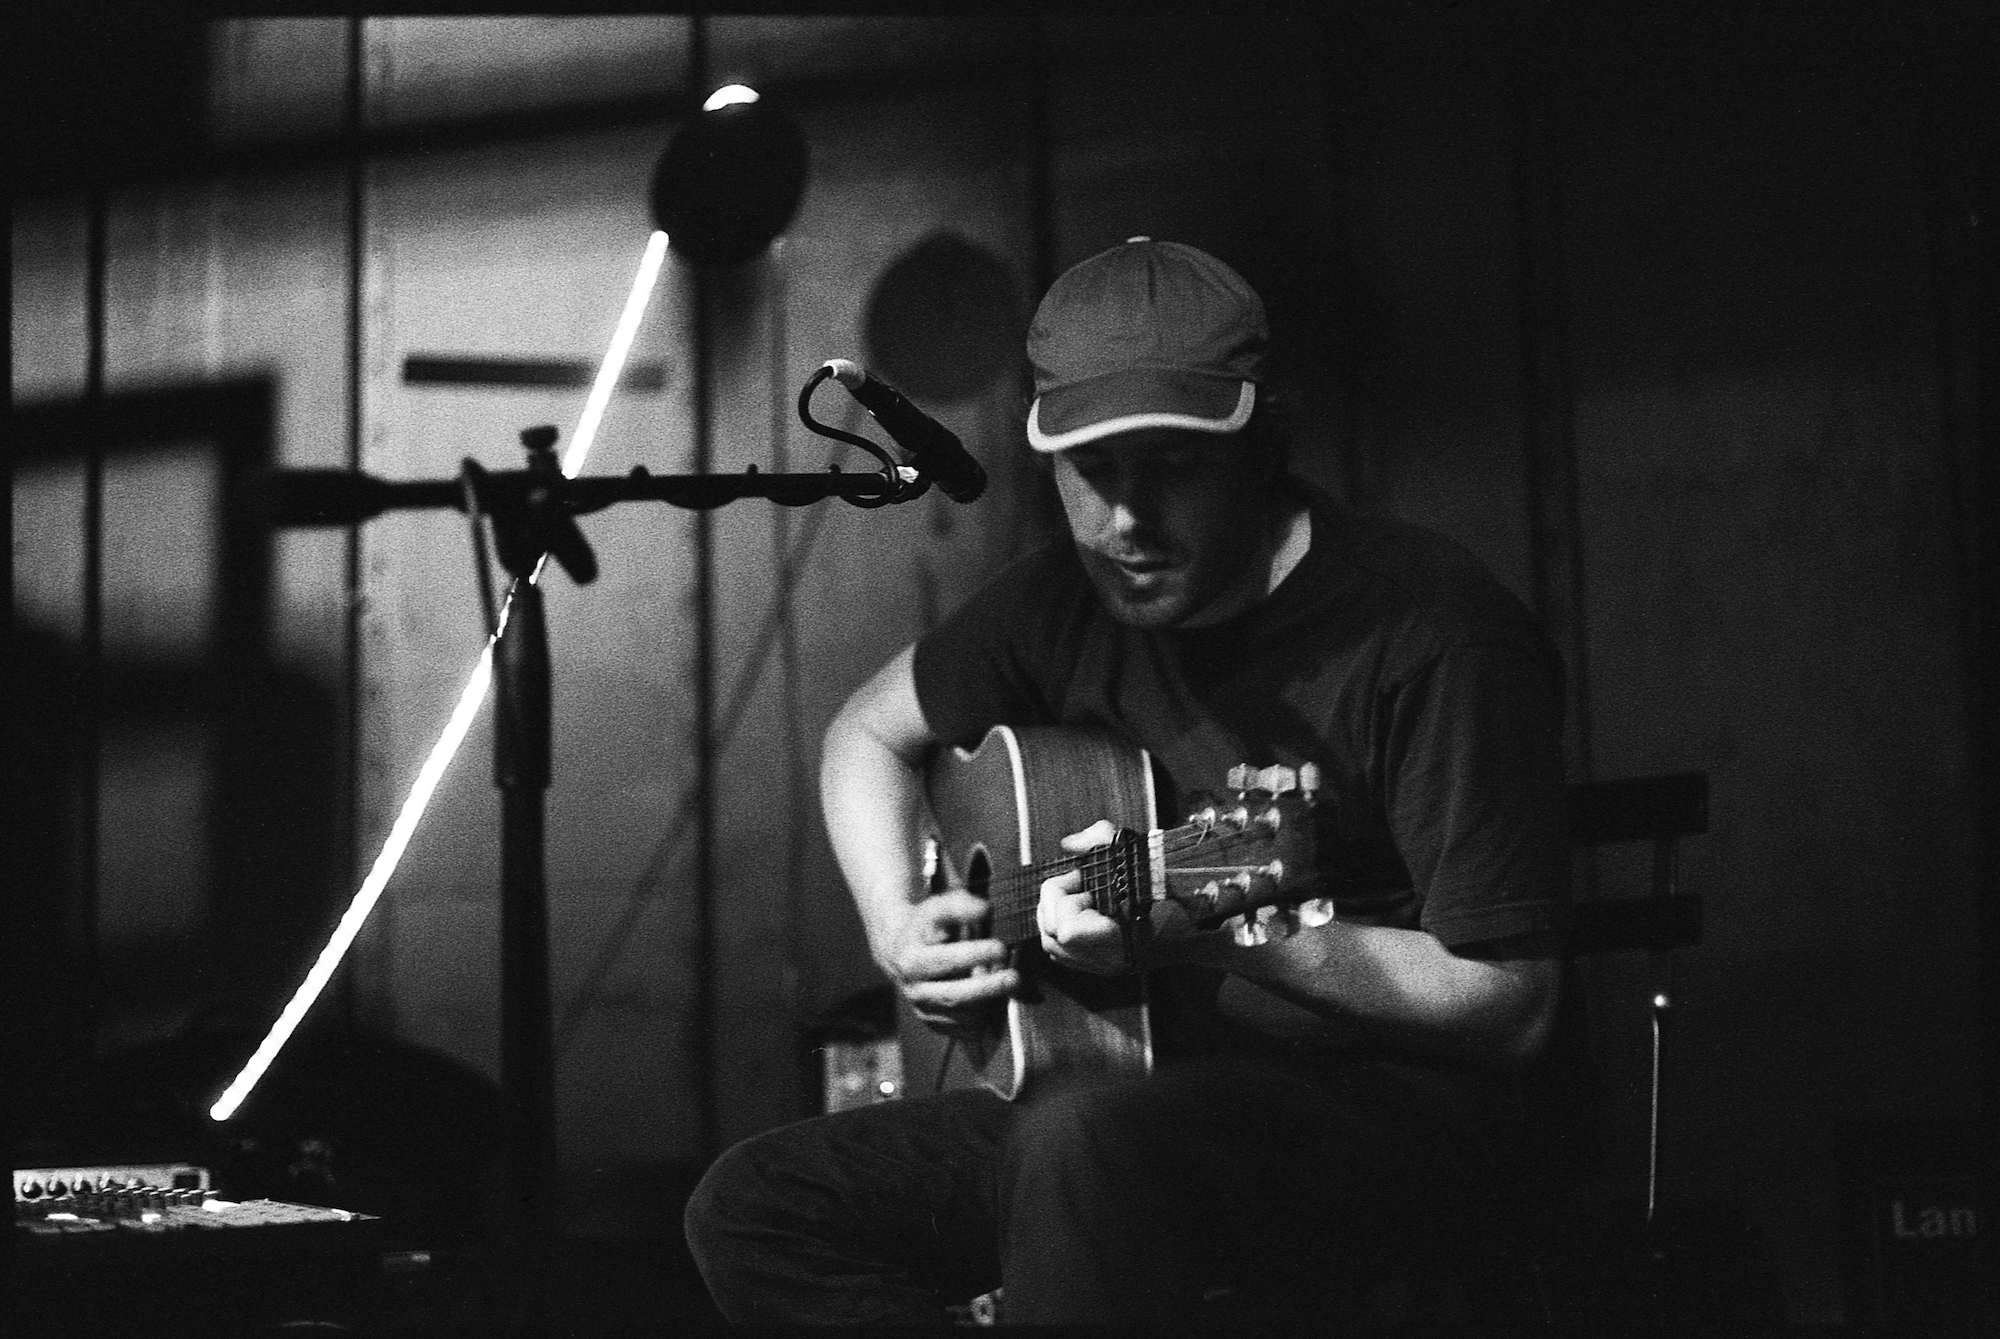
x=1278, y=779
x=1309, y=781
x=1222, y=894
x=1242, y=777
x=1233, y=819
x=1265, y=925
x=1317, y=912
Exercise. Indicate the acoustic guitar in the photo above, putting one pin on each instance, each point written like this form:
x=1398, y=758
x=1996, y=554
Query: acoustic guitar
x=1243, y=861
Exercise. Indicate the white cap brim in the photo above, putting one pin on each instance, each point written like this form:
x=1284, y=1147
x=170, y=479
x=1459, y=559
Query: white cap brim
x=1234, y=421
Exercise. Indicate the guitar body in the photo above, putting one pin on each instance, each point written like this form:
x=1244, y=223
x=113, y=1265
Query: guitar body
x=1006, y=805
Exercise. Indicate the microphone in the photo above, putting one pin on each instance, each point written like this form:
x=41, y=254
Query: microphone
x=933, y=448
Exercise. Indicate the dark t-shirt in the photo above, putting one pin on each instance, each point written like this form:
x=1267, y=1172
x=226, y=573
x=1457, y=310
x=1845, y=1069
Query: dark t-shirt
x=1426, y=693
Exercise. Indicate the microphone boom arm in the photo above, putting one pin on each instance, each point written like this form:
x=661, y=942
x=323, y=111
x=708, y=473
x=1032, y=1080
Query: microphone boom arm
x=346, y=497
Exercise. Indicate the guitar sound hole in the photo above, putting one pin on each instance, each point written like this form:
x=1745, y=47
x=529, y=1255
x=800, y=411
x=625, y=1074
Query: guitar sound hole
x=978, y=872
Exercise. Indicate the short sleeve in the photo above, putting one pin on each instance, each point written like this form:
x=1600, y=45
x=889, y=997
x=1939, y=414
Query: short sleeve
x=992, y=660
x=1473, y=784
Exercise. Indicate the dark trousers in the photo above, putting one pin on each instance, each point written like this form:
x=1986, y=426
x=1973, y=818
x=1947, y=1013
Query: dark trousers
x=1109, y=1203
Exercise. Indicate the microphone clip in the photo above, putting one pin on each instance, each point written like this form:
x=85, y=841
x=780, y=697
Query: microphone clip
x=929, y=447
x=530, y=511
x=901, y=483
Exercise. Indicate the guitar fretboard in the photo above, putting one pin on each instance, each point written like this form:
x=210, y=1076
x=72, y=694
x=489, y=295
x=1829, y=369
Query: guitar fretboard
x=1016, y=893
x=1119, y=875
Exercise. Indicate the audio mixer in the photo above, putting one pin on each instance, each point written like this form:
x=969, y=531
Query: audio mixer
x=97, y=1248
x=145, y=1200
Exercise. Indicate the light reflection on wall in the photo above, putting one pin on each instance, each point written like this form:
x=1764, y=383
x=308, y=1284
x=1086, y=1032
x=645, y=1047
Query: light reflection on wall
x=48, y=546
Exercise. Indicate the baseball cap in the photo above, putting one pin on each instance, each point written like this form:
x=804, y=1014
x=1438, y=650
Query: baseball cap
x=1145, y=335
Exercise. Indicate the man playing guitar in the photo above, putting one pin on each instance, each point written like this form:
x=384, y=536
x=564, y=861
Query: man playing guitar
x=1319, y=1089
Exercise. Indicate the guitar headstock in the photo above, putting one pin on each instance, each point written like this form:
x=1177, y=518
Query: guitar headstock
x=1245, y=860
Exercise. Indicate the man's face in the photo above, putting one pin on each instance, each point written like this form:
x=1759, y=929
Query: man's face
x=1171, y=525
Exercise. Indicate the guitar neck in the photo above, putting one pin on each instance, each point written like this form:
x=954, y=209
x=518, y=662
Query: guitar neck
x=1237, y=852
x=1201, y=872
x=1016, y=893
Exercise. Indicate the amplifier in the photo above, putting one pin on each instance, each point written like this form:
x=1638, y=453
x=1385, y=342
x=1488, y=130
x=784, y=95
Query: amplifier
x=858, y=1073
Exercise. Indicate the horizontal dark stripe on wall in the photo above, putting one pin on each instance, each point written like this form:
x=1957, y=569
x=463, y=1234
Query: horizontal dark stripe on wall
x=447, y=370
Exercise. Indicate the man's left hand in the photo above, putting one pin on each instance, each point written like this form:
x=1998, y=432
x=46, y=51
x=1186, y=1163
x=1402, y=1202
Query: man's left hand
x=1073, y=932
x=1078, y=935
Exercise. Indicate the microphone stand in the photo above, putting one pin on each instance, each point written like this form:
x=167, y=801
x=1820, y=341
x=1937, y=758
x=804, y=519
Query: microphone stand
x=522, y=734
x=533, y=513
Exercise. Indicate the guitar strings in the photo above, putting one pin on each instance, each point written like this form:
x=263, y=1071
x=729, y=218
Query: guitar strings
x=1016, y=892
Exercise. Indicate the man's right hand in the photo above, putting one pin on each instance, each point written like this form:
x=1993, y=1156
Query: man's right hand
x=950, y=972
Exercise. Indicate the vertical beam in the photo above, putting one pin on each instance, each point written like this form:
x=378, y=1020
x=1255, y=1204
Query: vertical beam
x=247, y=920
x=1340, y=72
x=702, y=927
x=1986, y=609
x=1547, y=393
x=1973, y=132
x=1039, y=62
x=799, y=790
x=90, y=679
x=355, y=162
x=1030, y=498
x=1960, y=160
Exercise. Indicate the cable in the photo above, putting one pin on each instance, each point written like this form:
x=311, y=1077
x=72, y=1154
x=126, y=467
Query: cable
x=468, y=476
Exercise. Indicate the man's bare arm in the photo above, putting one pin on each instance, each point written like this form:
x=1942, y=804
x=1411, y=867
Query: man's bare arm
x=1404, y=986
x=1397, y=985
x=934, y=947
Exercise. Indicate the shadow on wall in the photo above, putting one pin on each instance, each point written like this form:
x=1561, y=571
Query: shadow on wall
x=945, y=320
x=213, y=775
